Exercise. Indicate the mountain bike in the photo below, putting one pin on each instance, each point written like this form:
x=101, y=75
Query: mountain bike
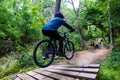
x=46, y=50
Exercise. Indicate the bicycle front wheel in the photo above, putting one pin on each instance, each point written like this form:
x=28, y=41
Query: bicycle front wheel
x=69, y=50
x=43, y=54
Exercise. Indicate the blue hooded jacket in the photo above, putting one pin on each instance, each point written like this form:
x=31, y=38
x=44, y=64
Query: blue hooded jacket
x=55, y=23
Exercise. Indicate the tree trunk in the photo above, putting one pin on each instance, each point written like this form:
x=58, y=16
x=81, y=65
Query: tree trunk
x=111, y=26
x=57, y=6
x=78, y=25
x=80, y=33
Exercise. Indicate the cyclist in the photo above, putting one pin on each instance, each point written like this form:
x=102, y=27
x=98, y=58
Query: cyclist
x=50, y=29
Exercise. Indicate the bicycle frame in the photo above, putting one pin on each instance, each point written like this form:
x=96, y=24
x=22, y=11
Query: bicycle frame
x=65, y=40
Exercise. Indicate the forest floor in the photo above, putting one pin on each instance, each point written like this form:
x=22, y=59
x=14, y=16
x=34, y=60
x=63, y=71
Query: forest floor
x=91, y=56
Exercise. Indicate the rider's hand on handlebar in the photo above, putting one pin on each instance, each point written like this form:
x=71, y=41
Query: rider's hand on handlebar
x=72, y=30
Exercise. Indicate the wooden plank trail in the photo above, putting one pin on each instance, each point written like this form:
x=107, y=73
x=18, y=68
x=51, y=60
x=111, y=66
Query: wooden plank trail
x=62, y=72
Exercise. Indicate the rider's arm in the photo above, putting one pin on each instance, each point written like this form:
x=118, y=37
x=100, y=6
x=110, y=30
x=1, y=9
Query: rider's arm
x=67, y=25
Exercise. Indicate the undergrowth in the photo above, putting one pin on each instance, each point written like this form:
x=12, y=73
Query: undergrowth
x=110, y=68
x=16, y=62
x=19, y=62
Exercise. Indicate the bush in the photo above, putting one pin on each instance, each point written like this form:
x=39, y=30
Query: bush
x=9, y=68
x=19, y=24
x=110, y=68
x=117, y=42
x=16, y=62
x=26, y=60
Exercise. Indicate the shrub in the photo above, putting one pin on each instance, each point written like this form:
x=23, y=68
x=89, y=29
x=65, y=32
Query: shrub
x=26, y=60
x=110, y=68
x=9, y=68
x=19, y=24
x=117, y=42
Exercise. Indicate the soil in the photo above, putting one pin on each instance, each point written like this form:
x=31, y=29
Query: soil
x=91, y=56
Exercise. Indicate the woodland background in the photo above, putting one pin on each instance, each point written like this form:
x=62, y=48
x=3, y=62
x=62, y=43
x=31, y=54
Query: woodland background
x=20, y=28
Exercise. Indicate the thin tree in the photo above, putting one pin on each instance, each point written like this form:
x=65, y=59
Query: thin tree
x=76, y=11
x=110, y=25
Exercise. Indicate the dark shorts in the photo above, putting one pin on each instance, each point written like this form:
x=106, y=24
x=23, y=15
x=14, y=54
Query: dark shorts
x=52, y=34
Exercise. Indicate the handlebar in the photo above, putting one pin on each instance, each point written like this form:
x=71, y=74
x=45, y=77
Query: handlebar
x=64, y=34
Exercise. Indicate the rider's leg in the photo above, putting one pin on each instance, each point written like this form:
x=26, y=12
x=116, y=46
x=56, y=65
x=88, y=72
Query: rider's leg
x=60, y=46
x=55, y=35
x=60, y=39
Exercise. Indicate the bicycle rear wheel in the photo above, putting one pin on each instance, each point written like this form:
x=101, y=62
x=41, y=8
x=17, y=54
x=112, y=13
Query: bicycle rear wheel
x=69, y=50
x=43, y=54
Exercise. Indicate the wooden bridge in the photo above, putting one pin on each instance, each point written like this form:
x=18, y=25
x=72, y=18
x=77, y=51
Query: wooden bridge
x=62, y=72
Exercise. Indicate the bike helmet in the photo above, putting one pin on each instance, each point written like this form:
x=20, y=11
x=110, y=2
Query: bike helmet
x=59, y=14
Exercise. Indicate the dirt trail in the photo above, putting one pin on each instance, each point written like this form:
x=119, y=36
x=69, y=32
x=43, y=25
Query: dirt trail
x=88, y=56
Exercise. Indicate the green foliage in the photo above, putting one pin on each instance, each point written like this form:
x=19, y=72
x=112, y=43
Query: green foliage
x=93, y=19
x=75, y=40
x=115, y=5
x=16, y=62
x=95, y=14
x=47, y=9
x=20, y=22
x=7, y=78
x=109, y=69
x=26, y=60
x=117, y=42
x=10, y=67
